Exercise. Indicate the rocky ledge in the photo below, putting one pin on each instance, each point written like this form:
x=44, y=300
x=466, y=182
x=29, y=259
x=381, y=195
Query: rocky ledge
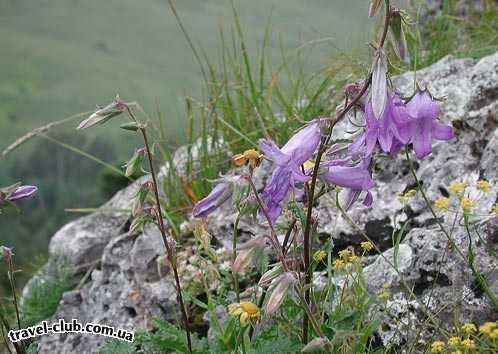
x=124, y=283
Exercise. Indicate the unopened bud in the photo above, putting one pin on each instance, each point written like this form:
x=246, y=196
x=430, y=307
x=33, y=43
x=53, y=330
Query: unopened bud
x=316, y=344
x=102, y=115
x=246, y=254
x=279, y=289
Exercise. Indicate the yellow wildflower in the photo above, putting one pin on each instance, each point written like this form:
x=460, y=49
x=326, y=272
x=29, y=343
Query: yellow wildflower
x=246, y=311
x=467, y=204
x=496, y=209
x=488, y=327
x=405, y=197
x=339, y=264
x=457, y=187
x=367, y=246
x=354, y=259
x=468, y=344
x=437, y=346
x=454, y=341
x=442, y=203
x=345, y=254
x=494, y=334
x=319, y=255
x=457, y=352
x=338, y=189
x=483, y=185
x=249, y=156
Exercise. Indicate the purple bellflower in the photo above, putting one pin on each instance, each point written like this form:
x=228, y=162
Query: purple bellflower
x=391, y=131
x=288, y=159
x=354, y=176
x=423, y=125
x=218, y=196
x=16, y=192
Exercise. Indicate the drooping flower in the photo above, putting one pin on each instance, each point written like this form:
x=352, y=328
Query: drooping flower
x=246, y=311
x=219, y=195
x=355, y=176
x=469, y=328
x=390, y=130
x=423, y=125
x=288, y=159
x=16, y=192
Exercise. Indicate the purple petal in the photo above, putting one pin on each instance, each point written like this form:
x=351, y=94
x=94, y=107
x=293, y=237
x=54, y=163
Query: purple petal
x=442, y=131
x=422, y=138
x=271, y=151
x=356, y=177
x=23, y=192
x=423, y=106
x=303, y=144
x=368, y=201
x=220, y=193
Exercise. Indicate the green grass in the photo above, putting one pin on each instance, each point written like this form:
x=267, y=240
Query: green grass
x=44, y=296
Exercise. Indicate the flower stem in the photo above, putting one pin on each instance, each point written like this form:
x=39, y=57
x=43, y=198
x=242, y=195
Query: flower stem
x=169, y=250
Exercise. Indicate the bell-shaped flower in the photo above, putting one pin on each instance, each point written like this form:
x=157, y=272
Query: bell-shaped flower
x=288, y=159
x=352, y=175
x=423, y=124
x=391, y=131
x=219, y=195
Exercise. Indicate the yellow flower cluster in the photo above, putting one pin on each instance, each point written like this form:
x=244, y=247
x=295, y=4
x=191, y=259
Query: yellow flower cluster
x=469, y=328
x=488, y=328
x=319, y=255
x=367, y=246
x=442, y=203
x=483, y=185
x=246, y=311
x=467, y=204
x=496, y=209
x=457, y=187
x=405, y=197
x=468, y=344
x=339, y=264
x=437, y=346
x=454, y=341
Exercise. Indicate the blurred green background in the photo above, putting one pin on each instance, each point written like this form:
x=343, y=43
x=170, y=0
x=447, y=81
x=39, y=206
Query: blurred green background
x=62, y=57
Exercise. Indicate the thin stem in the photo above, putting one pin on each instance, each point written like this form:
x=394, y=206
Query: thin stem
x=169, y=250
x=10, y=263
x=234, y=256
x=311, y=196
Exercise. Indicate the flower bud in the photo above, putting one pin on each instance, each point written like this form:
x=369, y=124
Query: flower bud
x=134, y=164
x=279, y=288
x=317, y=344
x=247, y=252
x=6, y=253
x=379, y=84
x=102, y=115
x=271, y=275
